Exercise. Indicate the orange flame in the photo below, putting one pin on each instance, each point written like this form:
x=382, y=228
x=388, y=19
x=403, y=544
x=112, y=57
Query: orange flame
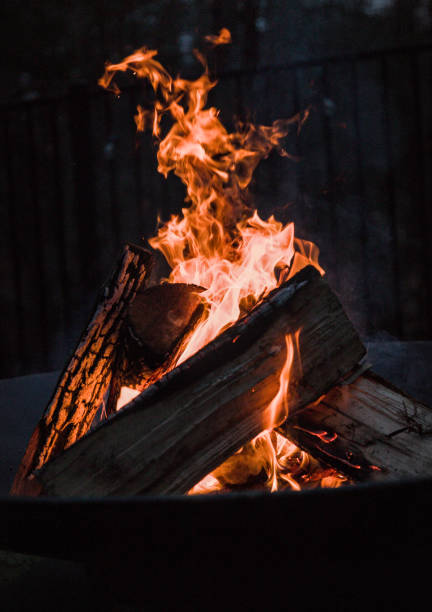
x=223, y=38
x=282, y=462
x=218, y=242
x=280, y=449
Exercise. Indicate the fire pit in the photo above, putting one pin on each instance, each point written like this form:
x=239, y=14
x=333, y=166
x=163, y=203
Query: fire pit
x=243, y=351
x=245, y=371
x=157, y=551
x=244, y=541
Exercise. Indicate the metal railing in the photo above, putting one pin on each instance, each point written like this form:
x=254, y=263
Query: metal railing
x=75, y=186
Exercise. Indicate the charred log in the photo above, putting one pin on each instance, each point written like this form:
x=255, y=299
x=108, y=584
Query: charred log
x=181, y=428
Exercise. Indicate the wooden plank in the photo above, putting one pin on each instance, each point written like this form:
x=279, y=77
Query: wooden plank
x=200, y=413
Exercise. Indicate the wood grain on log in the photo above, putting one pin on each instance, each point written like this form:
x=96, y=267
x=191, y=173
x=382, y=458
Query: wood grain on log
x=200, y=413
x=367, y=423
x=86, y=378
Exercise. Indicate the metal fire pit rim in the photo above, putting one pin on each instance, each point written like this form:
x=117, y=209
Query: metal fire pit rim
x=390, y=518
x=225, y=497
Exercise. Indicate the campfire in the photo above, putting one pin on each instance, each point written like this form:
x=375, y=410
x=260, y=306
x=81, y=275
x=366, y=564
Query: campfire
x=241, y=368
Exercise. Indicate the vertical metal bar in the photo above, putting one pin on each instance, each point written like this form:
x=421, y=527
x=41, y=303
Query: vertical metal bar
x=38, y=242
x=14, y=249
x=385, y=101
x=60, y=236
x=361, y=188
x=420, y=192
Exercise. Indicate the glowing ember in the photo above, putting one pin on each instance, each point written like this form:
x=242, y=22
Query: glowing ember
x=218, y=242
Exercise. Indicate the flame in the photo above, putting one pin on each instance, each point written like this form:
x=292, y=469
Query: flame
x=223, y=38
x=218, y=242
x=273, y=456
x=278, y=412
x=282, y=462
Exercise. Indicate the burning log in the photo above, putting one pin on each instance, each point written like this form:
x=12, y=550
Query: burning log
x=133, y=338
x=367, y=423
x=159, y=321
x=182, y=427
x=87, y=376
x=158, y=316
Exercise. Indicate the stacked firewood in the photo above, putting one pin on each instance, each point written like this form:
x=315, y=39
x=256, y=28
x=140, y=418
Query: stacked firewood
x=190, y=418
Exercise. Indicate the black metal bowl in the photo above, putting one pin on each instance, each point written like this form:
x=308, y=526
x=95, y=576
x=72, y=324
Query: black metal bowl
x=243, y=548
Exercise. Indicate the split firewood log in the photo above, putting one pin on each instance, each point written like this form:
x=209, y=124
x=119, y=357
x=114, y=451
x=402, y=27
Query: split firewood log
x=87, y=376
x=196, y=416
x=368, y=422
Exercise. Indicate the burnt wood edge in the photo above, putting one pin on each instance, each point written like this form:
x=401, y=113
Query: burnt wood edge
x=338, y=454
x=335, y=454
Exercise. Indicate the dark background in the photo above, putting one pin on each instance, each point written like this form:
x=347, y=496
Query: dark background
x=76, y=183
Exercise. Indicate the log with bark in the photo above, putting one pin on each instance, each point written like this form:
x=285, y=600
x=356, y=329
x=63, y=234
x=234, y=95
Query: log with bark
x=133, y=338
x=196, y=416
x=87, y=376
